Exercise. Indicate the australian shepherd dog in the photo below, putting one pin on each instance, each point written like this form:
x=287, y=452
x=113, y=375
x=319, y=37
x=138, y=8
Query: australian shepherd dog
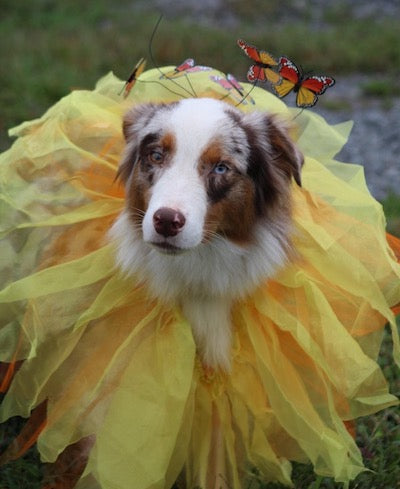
x=208, y=209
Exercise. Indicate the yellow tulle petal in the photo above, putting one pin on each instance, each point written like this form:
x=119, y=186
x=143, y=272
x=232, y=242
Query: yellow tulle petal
x=115, y=364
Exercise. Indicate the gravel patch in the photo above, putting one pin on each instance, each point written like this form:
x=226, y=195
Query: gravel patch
x=223, y=13
x=375, y=138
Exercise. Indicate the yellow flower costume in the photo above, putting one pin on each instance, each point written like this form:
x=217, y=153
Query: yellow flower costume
x=122, y=370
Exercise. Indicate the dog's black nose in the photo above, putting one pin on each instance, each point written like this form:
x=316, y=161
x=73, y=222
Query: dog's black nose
x=168, y=222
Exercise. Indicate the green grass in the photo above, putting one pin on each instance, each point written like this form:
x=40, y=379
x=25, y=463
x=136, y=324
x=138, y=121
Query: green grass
x=24, y=473
x=386, y=88
x=391, y=207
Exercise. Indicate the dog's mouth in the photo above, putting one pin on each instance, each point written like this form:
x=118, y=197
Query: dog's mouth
x=168, y=248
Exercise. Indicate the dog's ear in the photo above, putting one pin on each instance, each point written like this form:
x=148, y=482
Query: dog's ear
x=286, y=154
x=135, y=120
x=274, y=158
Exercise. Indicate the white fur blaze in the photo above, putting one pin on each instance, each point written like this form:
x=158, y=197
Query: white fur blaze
x=212, y=331
x=225, y=178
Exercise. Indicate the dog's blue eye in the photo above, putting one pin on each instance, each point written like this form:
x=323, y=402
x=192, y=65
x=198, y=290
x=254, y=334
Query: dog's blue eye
x=220, y=169
x=156, y=156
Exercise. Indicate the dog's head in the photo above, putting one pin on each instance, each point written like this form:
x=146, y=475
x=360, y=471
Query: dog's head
x=199, y=168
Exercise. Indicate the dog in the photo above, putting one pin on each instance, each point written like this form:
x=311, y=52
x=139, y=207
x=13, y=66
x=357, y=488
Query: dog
x=207, y=216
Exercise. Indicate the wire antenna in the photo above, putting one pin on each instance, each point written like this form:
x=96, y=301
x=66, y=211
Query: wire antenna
x=247, y=94
x=160, y=71
x=298, y=113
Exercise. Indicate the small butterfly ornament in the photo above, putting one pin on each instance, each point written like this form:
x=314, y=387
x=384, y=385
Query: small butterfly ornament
x=307, y=88
x=180, y=69
x=137, y=71
x=188, y=66
x=231, y=84
x=264, y=65
x=234, y=84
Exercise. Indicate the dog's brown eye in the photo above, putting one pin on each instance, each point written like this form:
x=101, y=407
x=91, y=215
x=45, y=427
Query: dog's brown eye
x=156, y=157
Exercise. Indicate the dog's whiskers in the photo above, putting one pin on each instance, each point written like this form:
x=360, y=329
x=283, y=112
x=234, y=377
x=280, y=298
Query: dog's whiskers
x=136, y=212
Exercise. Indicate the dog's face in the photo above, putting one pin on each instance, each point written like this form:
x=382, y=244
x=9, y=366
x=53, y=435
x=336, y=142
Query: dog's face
x=207, y=214
x=199, y=169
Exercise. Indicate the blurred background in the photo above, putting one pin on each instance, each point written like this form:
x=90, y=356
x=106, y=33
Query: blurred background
x=50, y=47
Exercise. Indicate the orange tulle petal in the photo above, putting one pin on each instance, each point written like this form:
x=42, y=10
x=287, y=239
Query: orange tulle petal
x=118, y=388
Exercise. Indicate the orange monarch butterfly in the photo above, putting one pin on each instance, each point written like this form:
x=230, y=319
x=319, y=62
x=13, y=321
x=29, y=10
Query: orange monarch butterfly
x=307, y=88
x=262, y=70
x=137, y=71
